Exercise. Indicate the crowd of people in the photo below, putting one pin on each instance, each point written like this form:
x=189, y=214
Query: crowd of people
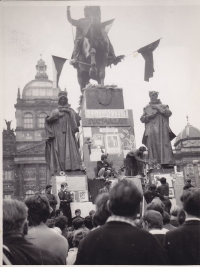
x=118, y=232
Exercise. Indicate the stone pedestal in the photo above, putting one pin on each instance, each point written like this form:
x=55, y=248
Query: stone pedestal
x=106, y=127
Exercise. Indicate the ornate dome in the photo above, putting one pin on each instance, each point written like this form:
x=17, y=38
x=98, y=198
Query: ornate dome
x=41, y=87
x=190, y=136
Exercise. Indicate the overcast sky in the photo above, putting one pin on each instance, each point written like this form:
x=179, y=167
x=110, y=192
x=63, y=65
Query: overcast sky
x=31, y=29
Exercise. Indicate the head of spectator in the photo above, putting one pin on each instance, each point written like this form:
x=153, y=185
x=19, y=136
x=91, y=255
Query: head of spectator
x=156, y=206
x=14, y=217
x=104, y=158
x=188, y=181
x=191, y=202
x=102, y=213
x=163, y=180
x=59, y=213
x=78, y=236
x=48, y=189
x=138, y=223
x=50, y=223
x=181, y=216
x=61, y=222
x=107, y=184
x=77, y=223
x=91, y=212
x=152, y=187
x=167, y=205
x=88, y=222
x=78, y=213
x=38, y=209
x=124, y=199
x=154, y=219
x=166, y=218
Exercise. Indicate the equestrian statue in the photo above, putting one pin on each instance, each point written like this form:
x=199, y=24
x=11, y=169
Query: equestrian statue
x=93, y=51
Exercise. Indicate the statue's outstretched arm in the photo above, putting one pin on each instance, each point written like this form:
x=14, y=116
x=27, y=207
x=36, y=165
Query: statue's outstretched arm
x=72, y=21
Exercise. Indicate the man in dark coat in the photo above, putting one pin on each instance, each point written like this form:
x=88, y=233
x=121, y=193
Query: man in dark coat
x=106, y=187
x=183, y=243
x=65, y=200
x=163, y=189
x=119, y=242
x=52, y=199
x=151, y=193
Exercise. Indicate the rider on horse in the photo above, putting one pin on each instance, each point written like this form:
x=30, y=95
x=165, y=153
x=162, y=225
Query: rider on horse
x=82, y=27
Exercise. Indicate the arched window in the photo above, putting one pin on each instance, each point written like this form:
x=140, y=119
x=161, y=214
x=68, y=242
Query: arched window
x=30, y=193
x=28, y=120
x=41, y=120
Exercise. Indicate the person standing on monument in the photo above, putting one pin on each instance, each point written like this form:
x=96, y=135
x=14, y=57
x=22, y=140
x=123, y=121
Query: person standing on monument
x=62, y=152
x=157, y=135
x=52, y=199
x=65, y=200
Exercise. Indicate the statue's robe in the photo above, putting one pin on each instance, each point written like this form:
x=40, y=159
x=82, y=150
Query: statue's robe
x=157, y=135
x=62, y=152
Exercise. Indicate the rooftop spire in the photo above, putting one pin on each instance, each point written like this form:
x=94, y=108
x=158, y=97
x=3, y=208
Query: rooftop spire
x=18, y=93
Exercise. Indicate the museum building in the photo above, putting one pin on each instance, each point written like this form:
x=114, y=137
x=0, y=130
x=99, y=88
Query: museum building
x=24, y=165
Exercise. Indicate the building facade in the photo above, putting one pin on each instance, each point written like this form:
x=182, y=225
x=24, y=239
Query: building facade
x=38, y=99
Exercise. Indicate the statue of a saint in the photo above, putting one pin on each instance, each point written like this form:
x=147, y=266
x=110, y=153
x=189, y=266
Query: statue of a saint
x=62, y=152
x=82, y=28
x=8, y=123
x=157, y=135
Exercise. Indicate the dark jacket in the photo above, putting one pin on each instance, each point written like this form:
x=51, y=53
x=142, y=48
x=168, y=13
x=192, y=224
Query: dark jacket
x=52, y=200
x=119, y=243
x=150, y=195
x=183, y=244
x=163, y=189
x=24, y=253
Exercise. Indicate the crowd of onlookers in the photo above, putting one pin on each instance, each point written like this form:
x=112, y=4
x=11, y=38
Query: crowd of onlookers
x=118, y=232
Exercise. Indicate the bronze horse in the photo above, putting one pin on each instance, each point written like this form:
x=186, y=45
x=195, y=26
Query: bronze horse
x=93, y=57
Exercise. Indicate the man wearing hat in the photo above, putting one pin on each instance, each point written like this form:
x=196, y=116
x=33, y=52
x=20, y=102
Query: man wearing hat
x=106, y=187
x=65, y=200
x=52, y=199
x=157, y=136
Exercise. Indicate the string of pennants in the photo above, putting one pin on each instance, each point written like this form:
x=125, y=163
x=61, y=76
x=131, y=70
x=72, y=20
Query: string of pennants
x=146, y=52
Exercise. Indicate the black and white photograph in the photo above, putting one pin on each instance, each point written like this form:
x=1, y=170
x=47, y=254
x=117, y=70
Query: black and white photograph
x=100, y=130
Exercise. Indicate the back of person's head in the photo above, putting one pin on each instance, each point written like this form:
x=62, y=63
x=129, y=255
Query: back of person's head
x=156, y=206
x=14, y=216
x=175, y=211
x=103, y=157
x=78, y=236
x=191, y=201
x=154, y=219
x=167, y=205
x=38, y=209
x=91, y=212
x=50, y=223
x=102, y=212
x=163, y=180
x=138, y=223
x=152, y=187
x=124, y=198
x=181, y=216
x=166, y=218
x=61, y=222
x=77, y=223
x=88, y=222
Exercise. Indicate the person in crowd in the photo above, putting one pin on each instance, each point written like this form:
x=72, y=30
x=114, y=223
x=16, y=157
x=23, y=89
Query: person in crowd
x=157, y=207
x=167, y=205
x=77, y=214
x=183, y=243
x=188, y=184
x=62, y=222
x=91, y=212
x=103, y=167
x=119, y=242
x=106, y=187
x=58, y=213
x=78, y=223
x=16, y=249
x=39, y=234
x=181, y=216
x=88, y=222
x=102, y=212
x=138, y=223
x=77, y=237
x=155, y=225
x=52, y=199
x=65, y=200
x=166, y=222
x=174, y=216
x=50, y=223
x=163, y=189
x=151, y=193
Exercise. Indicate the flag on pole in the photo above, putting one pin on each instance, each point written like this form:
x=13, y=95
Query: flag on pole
x=58, y=63
x=147, y=53
x=107, y=25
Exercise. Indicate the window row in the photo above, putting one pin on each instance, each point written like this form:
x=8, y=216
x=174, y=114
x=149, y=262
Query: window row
x=28, y=120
